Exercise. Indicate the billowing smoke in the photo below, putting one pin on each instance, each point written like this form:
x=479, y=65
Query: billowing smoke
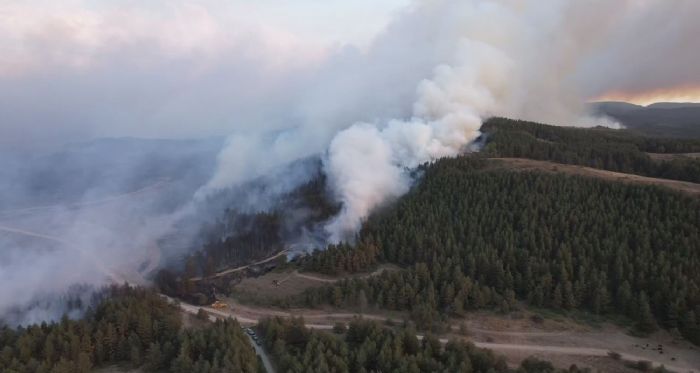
x=416, y=91
x=369, y=166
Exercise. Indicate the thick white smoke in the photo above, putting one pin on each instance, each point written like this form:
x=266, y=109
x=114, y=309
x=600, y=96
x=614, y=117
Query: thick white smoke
x=368, y=166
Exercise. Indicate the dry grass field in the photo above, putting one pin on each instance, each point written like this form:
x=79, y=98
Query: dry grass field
x=545, y=166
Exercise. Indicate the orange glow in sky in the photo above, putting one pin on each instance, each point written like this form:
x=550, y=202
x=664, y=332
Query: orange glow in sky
x=686, y=94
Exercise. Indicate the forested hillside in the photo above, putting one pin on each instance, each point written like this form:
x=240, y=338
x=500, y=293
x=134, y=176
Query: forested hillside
x=131, y=327
x=602, y=148
x=368, y=347
x=475, y=236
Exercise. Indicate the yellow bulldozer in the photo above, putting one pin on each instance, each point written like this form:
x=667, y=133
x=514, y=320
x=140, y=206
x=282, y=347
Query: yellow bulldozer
x=219, y=305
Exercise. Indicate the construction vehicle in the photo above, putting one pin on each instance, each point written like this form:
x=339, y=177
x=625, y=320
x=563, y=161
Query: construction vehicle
x=219, y=305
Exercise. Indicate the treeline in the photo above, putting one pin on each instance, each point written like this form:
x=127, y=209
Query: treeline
x=132, y=327
x=487, y=236
x=601, y=148
x=368, y=347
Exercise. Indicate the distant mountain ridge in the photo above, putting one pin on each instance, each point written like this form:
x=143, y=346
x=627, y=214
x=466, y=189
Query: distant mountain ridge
x=668, y=119
x=673, y=105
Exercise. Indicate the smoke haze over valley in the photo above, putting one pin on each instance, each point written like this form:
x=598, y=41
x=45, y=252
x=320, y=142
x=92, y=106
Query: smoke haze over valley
x=121, y=128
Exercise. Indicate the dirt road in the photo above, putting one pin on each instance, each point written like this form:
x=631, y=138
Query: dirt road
x=267, y=363
x=330, y=280
x=545, y=166
x=241, y=268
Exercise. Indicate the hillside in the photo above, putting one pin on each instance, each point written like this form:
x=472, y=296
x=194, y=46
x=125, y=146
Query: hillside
x=472, y=236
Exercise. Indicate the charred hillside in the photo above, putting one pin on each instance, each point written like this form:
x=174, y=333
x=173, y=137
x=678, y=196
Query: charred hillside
x=242, y=235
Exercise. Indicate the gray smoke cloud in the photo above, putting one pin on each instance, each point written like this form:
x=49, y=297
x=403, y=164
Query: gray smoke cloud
x=417, y=92
x=91, y=215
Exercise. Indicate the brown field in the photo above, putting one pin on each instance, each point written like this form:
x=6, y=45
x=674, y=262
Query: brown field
x=668, y=157
x=533, y=165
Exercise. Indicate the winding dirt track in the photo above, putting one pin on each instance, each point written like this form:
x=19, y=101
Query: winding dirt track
x=241, y=268
x=334, y=280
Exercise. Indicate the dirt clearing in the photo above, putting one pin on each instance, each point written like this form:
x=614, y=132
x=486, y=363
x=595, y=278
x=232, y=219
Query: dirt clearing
x=280, y=285
x=276, y=285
